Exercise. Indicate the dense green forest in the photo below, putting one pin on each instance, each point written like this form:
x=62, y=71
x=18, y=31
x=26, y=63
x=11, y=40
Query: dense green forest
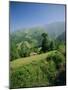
x=37, y=57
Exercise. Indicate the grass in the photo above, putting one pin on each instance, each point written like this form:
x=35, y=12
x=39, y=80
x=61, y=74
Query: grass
x=38, y=70
x=18, y=62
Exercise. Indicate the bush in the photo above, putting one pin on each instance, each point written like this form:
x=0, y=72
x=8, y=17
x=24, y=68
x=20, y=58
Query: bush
x=57, y=57
x=43, y=72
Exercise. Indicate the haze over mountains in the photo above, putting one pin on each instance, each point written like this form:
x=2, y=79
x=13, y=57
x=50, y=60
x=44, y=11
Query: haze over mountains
x=53, y=29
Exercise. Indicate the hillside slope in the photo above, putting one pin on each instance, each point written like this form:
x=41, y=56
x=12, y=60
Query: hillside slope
x=61, y=37
x=18, y=62
x=55, y=29
x=38, y=70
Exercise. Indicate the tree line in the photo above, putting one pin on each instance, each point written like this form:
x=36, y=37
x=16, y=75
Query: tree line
x=24, y=48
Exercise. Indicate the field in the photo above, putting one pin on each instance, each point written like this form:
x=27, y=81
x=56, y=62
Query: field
x=38, y=70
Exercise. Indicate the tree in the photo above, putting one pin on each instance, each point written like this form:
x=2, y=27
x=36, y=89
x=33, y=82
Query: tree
x=45, y=42
x=24, y=49
x=52, y=45
x=13, y=51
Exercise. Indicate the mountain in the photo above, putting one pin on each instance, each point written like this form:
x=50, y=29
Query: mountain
x=34, y=34
x=61, y=37
x=55, y=29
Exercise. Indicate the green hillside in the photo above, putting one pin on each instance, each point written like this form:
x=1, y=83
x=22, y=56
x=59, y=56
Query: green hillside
x=61, y=37
x=38, y=70
x=37, y=56
x=25, y=41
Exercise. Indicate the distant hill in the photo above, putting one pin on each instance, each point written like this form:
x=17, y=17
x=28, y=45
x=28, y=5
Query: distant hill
x=55, y=29
x=34, y=34
x=61, y=37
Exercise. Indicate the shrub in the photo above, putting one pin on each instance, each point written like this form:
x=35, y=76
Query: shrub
x=43, y=72
x=57, y=57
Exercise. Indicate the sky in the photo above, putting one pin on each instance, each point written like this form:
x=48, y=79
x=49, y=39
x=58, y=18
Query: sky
x=27, y=15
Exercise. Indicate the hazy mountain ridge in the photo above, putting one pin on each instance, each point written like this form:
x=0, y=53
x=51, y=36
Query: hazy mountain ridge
x=61, y=37
x=54, y=30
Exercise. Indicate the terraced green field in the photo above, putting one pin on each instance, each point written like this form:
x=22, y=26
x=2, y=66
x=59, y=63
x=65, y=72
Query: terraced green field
x=38, y=70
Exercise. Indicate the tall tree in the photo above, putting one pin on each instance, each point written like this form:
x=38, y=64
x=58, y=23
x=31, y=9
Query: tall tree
x=52, y=45
x=45, y=42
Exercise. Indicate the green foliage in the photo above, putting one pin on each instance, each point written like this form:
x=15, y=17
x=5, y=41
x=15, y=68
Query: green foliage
x=24, y=49
x=61, y=48
x=36, y=37
x=39, y=70
x=46, y=69
x=45, y=42
x=61, y=77
x=13, y=51
x=57, y=57
x=26, y=41
x=44, y=35
x=52, y=45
